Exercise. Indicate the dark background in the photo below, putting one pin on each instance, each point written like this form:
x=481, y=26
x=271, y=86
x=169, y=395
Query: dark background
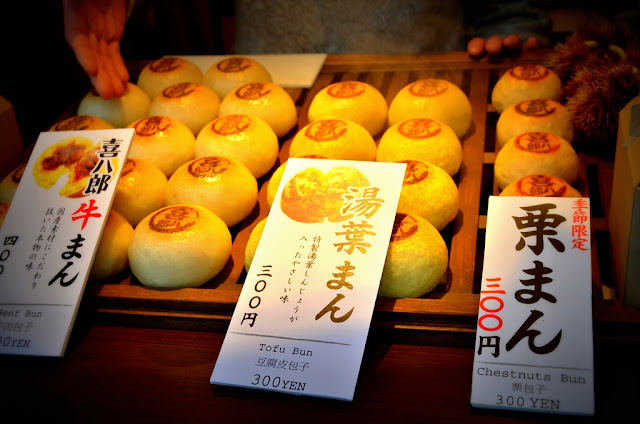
x=41, y=78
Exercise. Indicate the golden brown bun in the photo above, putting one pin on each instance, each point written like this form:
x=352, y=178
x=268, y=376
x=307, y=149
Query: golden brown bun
x=535, y=153
x=4, y=208
x=9, y=184
x=112, y=254
x=265, y=100
x=537, y=115
x=525, y=82
x=224, y=186
x=179, y=246
x=165, y=72
x=274, y=183
x=429, y=192
x=163, y=140
x=118, y=111
x=276, y=177
x=81, y=122
x=334, y=139
x=191, y=103
x=416, y=261
x=73, y=157
x=353, y=100
x=231, y=73
x=140, y=190
x=540, y=185
x=437, y=99
x=313, y=196
x=422, y=139
x=245, y=138
x=303, y=196
x=252, y=243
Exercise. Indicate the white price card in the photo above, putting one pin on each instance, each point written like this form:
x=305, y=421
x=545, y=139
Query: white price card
x=302, y=318
x=50, y=234
x=534, y=341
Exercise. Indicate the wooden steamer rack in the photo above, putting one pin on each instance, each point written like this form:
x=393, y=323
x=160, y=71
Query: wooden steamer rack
x=449, y=313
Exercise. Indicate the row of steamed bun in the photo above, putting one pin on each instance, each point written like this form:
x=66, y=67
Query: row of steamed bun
x=534, y=135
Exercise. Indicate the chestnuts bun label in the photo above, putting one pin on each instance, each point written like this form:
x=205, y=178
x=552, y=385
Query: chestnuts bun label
x=52, y=232
x=313, y=273
x=535, y=305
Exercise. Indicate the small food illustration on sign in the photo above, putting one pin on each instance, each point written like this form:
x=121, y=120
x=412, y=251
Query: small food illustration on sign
x=73, y=156
x=311, y=195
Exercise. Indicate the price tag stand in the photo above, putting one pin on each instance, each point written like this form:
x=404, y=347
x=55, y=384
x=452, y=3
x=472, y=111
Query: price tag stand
x=301, y=322
x=534, y=344
x=50, y=234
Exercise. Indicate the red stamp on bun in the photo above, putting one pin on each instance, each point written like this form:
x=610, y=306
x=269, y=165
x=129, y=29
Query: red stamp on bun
x=74, y=123
x=416, y=172
x=537, y=142
x=420, y=128
x=231, y=124
x=208, y=167
x=404, y=226
x=537, y=108
x=173, y=219
x=166, y=64
x=253, y=91
x=180, y=90
x=529, y=72
x=326, y=130
x=346, y=89
x=428, y=88
x=541, y=186
x=152, y=125
x=233, y=65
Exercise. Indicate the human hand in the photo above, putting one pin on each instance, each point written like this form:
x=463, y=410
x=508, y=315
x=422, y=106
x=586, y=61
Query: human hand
x=93, y=29
x=495, y=45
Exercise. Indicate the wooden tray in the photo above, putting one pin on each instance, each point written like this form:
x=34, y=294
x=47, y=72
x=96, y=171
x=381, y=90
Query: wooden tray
x=449, y=313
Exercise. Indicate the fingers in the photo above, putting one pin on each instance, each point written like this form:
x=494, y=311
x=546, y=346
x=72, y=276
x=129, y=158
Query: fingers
x=85, y=55
x=118, y=62
x=111, y=76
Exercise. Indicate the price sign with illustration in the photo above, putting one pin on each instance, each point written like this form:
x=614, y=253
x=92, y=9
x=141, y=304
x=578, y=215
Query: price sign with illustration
x=534, y=341
x=49, y=236
x=302, y=319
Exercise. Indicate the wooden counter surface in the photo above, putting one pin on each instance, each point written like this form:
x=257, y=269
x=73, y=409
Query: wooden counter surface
x=122, y=374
